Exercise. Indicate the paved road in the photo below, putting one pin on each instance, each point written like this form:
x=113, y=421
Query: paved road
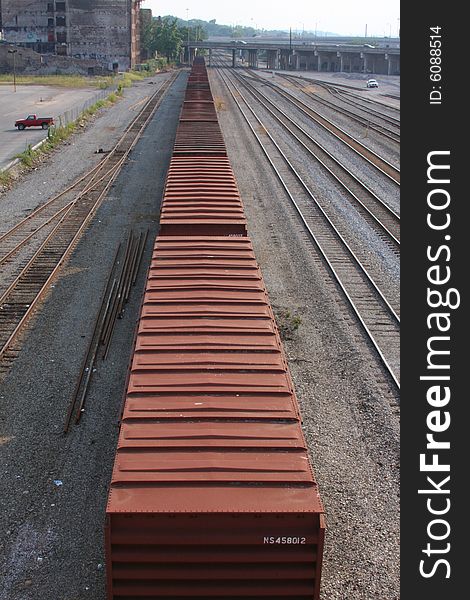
x=45, y=101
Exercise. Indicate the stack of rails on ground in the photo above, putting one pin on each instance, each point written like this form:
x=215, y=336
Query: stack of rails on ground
x=212, y=492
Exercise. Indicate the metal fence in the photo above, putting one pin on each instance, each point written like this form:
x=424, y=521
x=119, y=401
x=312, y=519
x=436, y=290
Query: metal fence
x=63, y=119
x=71, y=115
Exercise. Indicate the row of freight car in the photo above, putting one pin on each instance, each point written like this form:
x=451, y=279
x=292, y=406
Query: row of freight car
x=212, y=492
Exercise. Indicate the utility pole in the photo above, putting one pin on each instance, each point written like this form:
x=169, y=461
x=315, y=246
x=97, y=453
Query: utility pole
x=14, y=67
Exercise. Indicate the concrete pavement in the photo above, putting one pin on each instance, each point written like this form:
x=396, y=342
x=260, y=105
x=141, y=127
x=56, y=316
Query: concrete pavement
x=45, y=101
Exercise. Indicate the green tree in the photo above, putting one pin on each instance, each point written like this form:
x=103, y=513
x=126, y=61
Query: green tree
x=168, y=38
x=162, y=36
x=147, y=39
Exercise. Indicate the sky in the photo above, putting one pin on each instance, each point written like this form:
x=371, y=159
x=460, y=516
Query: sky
x=344, y=17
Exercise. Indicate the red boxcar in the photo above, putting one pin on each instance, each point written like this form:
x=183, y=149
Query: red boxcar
x=212, y=493
x=201, y=197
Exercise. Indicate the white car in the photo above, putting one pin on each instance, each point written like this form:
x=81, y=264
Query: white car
x=372, y=83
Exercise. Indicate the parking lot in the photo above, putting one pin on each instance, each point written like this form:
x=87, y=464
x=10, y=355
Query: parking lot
x=45, y=101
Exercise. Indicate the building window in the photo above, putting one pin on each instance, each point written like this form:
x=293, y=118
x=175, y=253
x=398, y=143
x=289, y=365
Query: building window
x=50, y=22
x=62, y=50
x=60, y=21
x=50, y=7
x=60, y=6
x=61, y=37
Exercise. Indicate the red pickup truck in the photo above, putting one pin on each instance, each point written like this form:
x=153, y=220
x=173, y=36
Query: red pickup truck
x=34, y=121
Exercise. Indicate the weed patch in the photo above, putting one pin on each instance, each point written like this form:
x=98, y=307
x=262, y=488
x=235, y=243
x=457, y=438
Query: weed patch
x=287, y=323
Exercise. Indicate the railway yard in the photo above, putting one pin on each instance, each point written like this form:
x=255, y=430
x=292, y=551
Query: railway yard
x=316, y=166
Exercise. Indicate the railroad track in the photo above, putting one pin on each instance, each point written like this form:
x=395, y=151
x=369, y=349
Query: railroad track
x=391, y=133
x=350, y=91
x=122, y=277
x=377, y=316
x=375, y=211
x=366, y=104
x=33, y=251
x=25, y=237
x=380, y=164
x=343, y=90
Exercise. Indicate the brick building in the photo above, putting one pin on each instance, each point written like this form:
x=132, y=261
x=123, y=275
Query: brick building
x=106, y=31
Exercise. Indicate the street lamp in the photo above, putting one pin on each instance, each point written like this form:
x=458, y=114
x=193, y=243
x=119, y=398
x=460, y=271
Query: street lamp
x=14, y=67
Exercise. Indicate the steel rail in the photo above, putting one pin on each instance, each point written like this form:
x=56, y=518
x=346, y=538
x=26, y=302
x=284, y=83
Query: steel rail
x=46, y=205
x=349, y=90
x=366, y=121
x=317, y=203
x=379, y=163
x=90, y=176
x=22, y=285
x=85, y=206
x=88, y=361
x=16, y=248
x=347, y=97
x=92, y=185
x=352, y=303
x=355, y=99
x=374, y=201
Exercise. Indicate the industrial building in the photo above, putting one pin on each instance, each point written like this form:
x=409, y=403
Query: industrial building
x=105, y=31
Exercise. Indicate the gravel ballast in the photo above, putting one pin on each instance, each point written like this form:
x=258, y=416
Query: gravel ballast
x=54, y=488
x=350, y=414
